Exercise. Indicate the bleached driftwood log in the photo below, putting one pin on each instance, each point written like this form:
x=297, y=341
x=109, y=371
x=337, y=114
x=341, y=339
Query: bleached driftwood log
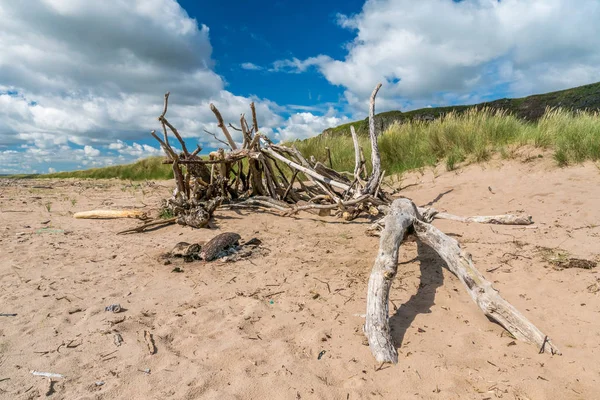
x=110, y=214
x=402, y=215
x=481, y=290
x=377, y=325
x=430, y=214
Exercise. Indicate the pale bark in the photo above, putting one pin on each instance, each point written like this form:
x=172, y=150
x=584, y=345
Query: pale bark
x=254, y=120
x=482, y=292
x=375, y=158
x=377, y=326
x=221, y=125
x=430, y=214
x=402, y=214
x=110, y=214
x=357, y=162
x=306, y=170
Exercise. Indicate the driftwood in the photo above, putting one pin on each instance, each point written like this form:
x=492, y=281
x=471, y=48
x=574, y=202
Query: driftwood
x=358, y=162
x=261, y=181
x=402, y=216
x=373, y=181
x=429, y=214
x=377, y=327
x=151, y=224
x=507, y=219
x=110, y=214
x=481, y=290
x=251, y=174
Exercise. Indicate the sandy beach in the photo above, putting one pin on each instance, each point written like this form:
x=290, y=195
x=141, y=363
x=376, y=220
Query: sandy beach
x=286, y=322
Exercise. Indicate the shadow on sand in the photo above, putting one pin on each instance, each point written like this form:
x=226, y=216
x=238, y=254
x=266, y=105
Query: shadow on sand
x=419, y=303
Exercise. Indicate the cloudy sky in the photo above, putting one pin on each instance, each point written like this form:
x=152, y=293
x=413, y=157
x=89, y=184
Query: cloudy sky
x=82, y=82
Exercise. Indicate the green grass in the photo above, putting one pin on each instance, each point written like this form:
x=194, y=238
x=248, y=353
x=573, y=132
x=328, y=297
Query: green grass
x=470, y=136
x=148, y=168
x=530, y=108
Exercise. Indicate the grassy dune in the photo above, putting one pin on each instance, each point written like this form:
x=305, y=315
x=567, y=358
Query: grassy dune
x=530, y=108
x=471, y=136
x=148, y=168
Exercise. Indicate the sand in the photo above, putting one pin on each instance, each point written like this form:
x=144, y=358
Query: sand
x=254, y=329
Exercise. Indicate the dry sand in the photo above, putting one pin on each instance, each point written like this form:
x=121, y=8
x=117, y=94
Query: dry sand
x=253, y=329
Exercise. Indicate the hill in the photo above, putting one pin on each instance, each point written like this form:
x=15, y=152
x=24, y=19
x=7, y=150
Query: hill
x=529, y=108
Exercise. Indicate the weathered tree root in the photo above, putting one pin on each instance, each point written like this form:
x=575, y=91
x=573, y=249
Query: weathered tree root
x=403, y=215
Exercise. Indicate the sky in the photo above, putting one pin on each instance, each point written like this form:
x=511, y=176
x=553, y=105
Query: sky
x=82, y=82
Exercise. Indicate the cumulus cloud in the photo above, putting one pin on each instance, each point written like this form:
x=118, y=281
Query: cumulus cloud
x=32, y=159
x=135, y=149
x=90, y=151
x=306, y=124
x=444, y=51
x=79, y=73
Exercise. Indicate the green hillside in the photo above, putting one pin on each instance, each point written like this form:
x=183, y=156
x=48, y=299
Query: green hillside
x=529, y=108
x=464, y=137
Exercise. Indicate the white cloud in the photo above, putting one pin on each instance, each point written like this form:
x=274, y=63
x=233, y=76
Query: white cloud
x=305, y=124
x=90, y=151
x=135, y=150
x=90, y=73
x=51, y=170
x=30, y=159
x=296, y=66
x=441, y=50
x=251, y=66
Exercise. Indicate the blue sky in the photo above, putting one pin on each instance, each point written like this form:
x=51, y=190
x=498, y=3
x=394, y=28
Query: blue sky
x=264, y=31
x=81, y=83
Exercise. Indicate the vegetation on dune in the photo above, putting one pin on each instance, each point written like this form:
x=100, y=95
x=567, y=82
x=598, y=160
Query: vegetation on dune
x=530, y=108
x=148, y=168
x=457, y=137
x=470, y=136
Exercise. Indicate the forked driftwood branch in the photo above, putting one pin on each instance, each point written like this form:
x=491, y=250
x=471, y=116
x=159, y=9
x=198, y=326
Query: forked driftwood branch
x=403, y=215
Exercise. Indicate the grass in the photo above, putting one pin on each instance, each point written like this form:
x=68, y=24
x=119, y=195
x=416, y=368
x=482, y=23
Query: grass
x=530, y=108
x=470, y=136
x=456, y=138
x=148, y=168
x=165, y=213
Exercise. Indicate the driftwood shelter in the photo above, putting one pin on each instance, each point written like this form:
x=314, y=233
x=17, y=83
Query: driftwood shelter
x=254, y=174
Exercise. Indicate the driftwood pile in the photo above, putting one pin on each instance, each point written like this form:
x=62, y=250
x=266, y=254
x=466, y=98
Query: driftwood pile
x=252, y=175
x=259, y=173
